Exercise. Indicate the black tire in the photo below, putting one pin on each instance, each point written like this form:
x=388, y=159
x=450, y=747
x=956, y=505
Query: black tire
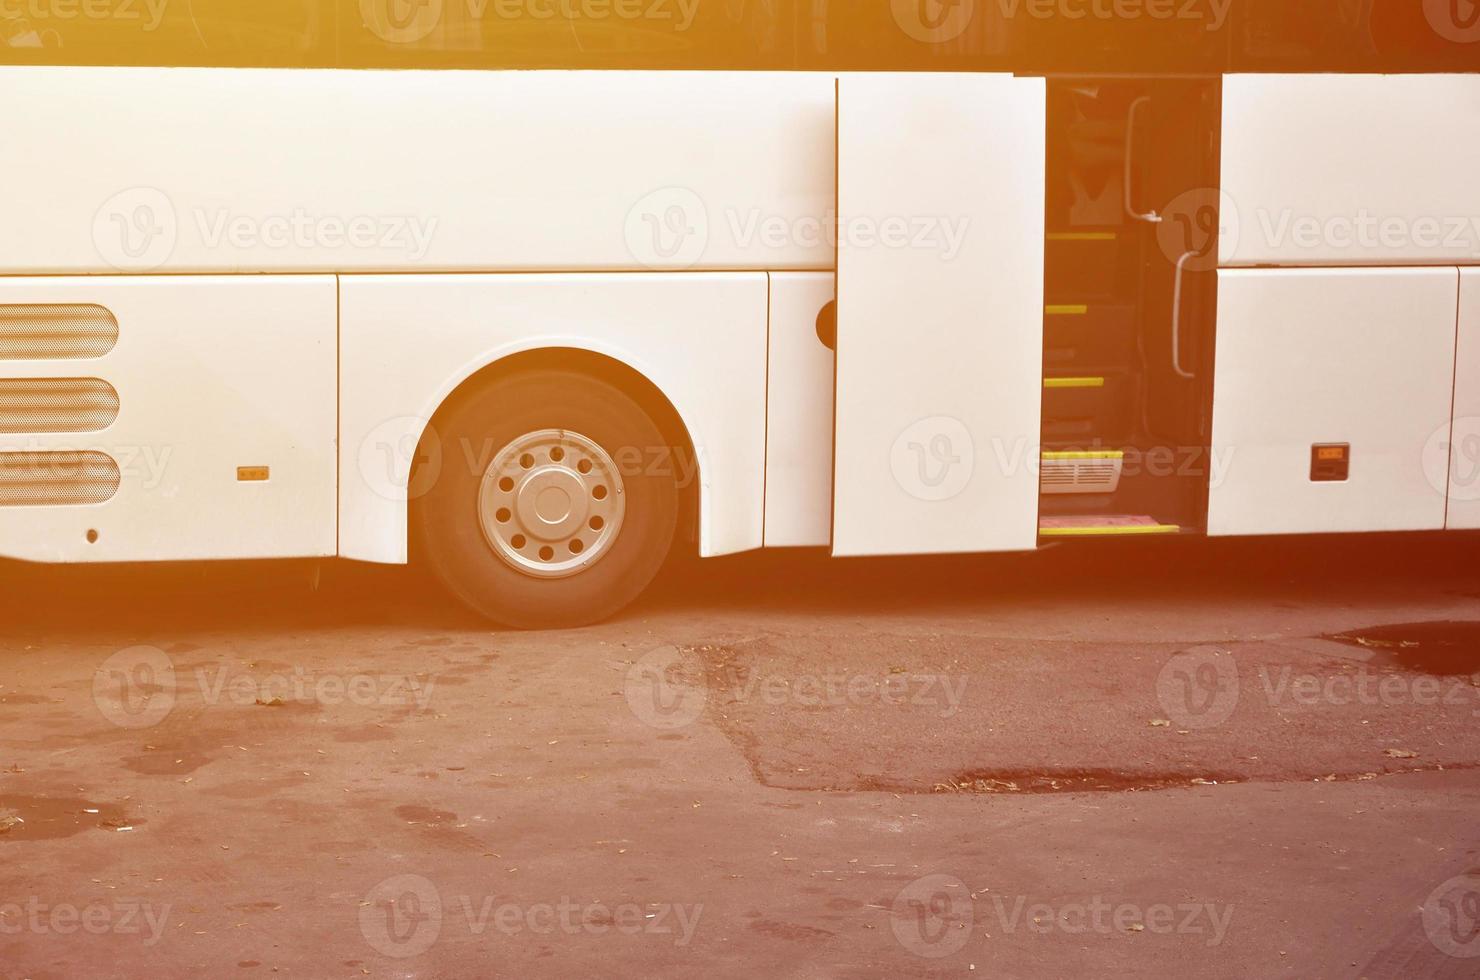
x=445, y=519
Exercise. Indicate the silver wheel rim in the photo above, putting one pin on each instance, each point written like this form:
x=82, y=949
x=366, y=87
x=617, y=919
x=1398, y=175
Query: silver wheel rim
x=551, y=503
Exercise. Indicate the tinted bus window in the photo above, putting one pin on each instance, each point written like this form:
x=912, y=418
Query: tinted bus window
x=1358, y=36
x=696, y=34
x=223, y=33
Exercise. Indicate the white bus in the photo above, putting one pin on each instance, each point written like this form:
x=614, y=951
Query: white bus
x=343, y=281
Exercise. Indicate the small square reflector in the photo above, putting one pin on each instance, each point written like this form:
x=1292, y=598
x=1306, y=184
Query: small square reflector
x=252, y=474
x=1330, y=463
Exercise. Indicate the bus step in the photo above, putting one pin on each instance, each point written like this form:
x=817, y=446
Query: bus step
x=1085, y=382
x=1081, y=472
x=1102, y=526
x=1081, y=236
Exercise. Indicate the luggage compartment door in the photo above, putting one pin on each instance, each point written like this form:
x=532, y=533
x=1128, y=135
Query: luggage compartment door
x=940, y=313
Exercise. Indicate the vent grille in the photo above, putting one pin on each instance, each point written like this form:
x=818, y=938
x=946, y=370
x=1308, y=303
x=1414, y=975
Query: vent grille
x=1081, y=473
x=57, y=479
x=56, y=332
x=57, y=405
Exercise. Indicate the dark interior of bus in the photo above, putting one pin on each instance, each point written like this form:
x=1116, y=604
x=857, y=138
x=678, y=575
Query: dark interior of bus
x=1132, y=219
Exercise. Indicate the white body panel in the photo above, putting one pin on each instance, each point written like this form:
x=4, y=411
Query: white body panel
x=212, y=373
x=799, y=414
x=1322, y=170
x=231, y=170
x=1464, y=468
x=1306, y=357
x=940, y=341
x=406, y=342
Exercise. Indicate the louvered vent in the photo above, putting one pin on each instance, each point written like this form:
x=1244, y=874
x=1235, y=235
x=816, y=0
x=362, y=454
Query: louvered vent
x=1081, y=472
x=38, y=405
x=56, y=332
x=56, y=478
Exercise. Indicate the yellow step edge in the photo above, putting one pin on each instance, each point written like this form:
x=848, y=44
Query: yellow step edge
x=1093, y=454
x=1066, y=309
x=1081, y=236
x=1073, y=382
x=1107, y=531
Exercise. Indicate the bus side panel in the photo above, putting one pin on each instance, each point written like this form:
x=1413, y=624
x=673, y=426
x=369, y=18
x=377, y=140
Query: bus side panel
x=1464, y=443
x=1308, y=358
x=1322, y=170
x=799, y=408
x=224, y=438
x=224, y=170
x=407, y=342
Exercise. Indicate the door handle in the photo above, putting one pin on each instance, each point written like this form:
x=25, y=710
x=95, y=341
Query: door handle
x=1177, y=317
x=1151, y=217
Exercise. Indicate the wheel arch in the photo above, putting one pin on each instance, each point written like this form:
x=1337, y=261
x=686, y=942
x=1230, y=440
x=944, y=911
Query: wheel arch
x=610, y=367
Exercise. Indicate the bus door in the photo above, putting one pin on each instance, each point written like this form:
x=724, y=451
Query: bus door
x=940, y=313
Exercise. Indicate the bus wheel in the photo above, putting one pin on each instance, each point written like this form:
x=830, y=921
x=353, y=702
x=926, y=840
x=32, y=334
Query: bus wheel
x=534, y=521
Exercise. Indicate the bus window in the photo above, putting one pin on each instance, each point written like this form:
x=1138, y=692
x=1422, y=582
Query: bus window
x=635, y=34
x=1357, y=36
x=209, y=33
